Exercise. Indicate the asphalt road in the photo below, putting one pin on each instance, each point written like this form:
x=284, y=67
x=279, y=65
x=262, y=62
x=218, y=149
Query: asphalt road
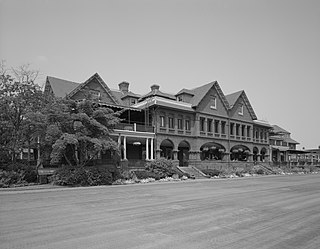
x=262, y=212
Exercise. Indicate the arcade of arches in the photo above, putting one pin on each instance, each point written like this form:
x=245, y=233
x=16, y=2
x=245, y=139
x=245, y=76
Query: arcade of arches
x=209, y=151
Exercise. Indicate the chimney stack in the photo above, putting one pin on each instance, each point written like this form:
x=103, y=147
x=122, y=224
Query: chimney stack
x=124, y=87
x=154, y=87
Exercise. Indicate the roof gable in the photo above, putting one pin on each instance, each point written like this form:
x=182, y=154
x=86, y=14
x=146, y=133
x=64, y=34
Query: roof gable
x=100, y=81
x=157, y=92
x=233, y=99
x=202, y=91
x=60, y=88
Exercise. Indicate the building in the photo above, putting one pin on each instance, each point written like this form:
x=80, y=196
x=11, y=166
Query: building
x=202, y=127
x=283, y=147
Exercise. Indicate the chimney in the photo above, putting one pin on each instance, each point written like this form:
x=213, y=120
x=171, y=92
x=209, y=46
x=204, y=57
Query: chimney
x=124, y=87
x=154, y=87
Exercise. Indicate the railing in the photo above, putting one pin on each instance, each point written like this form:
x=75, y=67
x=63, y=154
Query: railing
x=134, y=127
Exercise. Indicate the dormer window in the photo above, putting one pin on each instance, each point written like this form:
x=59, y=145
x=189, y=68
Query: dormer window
x=213, y=102
x=240, y=109
x=179, y=98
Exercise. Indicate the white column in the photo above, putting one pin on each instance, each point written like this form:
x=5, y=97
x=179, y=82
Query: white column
x=125, y=148
x=147, y=149
x=152, y=149
x=119, y=144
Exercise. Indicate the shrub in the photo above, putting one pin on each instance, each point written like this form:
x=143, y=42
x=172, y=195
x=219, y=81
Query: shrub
x=143, y=174
x=260, y=171
x=85, y=176
x=212, y=172
x=22, y=174
x=161, y=167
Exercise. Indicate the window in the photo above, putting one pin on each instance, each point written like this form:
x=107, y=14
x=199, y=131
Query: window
x=209, y=125
x=231, y=128
x=133, y=101
x=223, y=127
x=237, y=130
x=188, y=125
x=202, y=121
x=213, y=102
x=243, y=128
x=179, y=98
x=162, y=121
x=94, y=94
x=179, y=123
x=248, y=131
x=171, y=122
x=240, y=109
x=216, y=126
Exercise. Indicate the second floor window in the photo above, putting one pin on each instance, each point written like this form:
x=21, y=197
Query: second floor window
x=223, y=127
x=162, y=121
x=216, y=126
x=209, y=124
x=243, y=129
x=188, y=127
x=231, y=129
x=248, y=131
x=237, y=130
x=202, y=121
x=180, y=124
x=171, y=122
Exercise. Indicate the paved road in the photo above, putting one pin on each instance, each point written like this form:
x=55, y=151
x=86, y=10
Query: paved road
x=263, y=212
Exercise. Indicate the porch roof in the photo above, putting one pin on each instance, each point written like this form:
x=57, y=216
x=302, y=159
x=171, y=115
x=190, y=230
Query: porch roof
x=280, y=148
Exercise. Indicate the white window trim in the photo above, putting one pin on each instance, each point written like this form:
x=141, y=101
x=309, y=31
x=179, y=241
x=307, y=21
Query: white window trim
x=240, y=110
x=214, y=100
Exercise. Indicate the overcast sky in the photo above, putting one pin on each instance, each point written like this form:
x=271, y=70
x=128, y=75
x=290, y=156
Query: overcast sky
x=269, y=48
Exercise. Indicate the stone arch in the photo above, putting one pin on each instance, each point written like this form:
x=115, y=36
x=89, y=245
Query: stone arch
x=212, y=151
x=183, y=153
x=263, y=153
x=255, y=154
x=239, y=153
x=166, y=149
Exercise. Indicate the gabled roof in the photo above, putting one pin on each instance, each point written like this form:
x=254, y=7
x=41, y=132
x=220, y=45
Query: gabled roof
x=131, y=94
x=201, y=92
x=61, y=88
x=233, y=97
x=290, y=140
x=157, y=92
x=187, y=91
x=100, y=80
x=278, y=129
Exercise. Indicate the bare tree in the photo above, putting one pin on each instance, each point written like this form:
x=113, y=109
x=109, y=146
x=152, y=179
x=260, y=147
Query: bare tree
x=24, y=74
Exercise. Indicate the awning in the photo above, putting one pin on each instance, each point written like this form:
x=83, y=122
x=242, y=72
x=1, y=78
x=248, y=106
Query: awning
x=280, y=148
x=298, y=152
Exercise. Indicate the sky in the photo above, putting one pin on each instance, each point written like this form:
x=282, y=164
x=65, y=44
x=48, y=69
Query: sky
x=269, y=48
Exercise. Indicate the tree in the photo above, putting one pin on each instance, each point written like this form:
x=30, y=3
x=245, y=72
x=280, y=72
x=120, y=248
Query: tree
x=19, y=97
x=78, y=131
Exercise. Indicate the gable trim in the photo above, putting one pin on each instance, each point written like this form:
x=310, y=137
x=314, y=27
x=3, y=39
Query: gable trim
x=248, y=105
x=219, y=93
x=101, y=82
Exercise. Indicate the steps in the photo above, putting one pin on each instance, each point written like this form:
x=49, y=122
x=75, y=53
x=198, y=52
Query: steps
x=192, y=172
x=266, y=168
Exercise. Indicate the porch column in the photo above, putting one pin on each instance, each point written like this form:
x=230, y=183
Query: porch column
x=151, y=149
x=147, y=149
x=124, y=148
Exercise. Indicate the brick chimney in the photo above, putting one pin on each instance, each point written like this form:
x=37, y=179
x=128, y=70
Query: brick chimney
x=124, y=86
x=154, y=87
